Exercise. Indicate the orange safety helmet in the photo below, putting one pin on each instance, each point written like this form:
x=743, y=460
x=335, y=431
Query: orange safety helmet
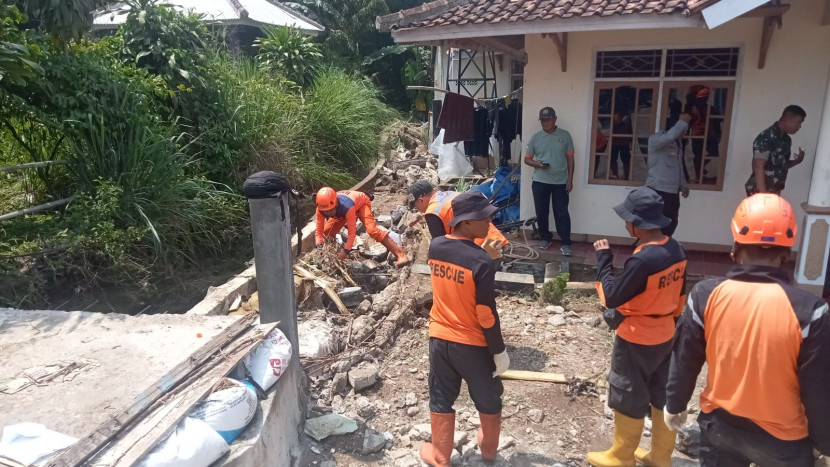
x=764, y=219
x=326, y=198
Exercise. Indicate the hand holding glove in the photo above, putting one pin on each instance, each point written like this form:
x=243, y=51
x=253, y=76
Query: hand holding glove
x=675, y=421
x=343, y=254
x=502, y=363
x=492, y=247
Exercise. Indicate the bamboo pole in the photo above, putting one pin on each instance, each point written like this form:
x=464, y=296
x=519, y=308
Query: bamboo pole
x=30, y=165
x=38, y=208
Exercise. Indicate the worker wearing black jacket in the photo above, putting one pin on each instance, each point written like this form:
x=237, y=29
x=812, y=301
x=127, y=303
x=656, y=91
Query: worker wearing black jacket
x=642, y=304
x=767, y=345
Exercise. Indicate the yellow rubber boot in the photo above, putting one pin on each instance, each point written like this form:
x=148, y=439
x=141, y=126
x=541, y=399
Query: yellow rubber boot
x=627, y=433
x=662, y=442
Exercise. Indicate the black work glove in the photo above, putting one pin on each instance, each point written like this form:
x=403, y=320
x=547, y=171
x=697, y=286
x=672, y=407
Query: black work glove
x=613, y=318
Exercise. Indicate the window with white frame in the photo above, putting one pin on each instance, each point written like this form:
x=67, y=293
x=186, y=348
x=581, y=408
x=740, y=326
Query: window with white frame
x=637, y=92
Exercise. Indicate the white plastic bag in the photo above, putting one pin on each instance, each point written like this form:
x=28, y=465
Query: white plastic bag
x=452, y=162
x=192, y=444
x=229, y=409
x=269, y=360
x=32, y=443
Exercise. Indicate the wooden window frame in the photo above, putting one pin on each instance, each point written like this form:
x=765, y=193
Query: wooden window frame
x=661, y=87
x=727, y=119
x=599, y=86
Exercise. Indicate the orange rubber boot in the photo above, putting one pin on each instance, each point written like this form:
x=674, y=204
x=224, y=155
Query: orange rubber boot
x=396, y=250
x=439, y=451
x=488, y=435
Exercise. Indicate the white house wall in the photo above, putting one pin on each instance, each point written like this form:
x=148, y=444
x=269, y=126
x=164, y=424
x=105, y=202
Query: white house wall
x=796, y=72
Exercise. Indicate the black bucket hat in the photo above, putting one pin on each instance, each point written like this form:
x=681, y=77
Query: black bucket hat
x=471, y=206
x=643, y=207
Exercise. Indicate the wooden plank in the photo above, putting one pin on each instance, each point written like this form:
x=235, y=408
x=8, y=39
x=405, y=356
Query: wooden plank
x=561, y=48
x=523, y=375
x=166, y=413
x=85, y=447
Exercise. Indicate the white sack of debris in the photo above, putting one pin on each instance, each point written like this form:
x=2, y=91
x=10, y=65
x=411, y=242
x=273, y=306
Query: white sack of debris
x=270, y=359
x=31, y=443
x=193, y=444
x=228, y=409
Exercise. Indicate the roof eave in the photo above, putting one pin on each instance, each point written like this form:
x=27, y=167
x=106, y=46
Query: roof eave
x=385, y=23
x=576, y=24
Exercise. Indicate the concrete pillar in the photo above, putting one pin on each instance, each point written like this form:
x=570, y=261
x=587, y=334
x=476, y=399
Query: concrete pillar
x=811, y=265
x=274, y=263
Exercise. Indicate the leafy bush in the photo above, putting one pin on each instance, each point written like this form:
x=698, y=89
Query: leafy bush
x=553, y=290
x=163, y=40
x=289, y=52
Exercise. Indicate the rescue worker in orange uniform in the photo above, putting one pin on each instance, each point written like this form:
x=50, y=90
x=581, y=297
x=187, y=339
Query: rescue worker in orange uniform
x=336, y=209
x=641, y=305
x=767, y=344
x=436, y=206
x=465, y=340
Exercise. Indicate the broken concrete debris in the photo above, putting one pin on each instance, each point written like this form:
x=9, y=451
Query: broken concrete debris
x=321, y=428
x=316, y=339
x=688, y=441
x=351, y=296
x=373, y=442
x=363, y=378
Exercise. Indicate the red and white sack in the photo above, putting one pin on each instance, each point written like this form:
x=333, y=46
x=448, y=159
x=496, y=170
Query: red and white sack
x=269, y=360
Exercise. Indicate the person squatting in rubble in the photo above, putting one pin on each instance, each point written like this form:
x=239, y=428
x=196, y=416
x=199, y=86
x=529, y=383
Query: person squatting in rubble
x=436, y=206
x=338, y=208
x=465, y=340
x=767, y=344
x=642, y=304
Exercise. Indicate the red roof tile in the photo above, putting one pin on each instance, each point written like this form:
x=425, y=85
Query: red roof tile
x=497, y=11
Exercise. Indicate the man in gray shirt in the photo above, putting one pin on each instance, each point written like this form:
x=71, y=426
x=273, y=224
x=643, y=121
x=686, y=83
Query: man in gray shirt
x=665, y=168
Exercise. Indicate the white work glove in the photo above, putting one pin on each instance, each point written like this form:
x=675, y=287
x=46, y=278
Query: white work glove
x=675, y=421
x=492, y=247
x=502, y=363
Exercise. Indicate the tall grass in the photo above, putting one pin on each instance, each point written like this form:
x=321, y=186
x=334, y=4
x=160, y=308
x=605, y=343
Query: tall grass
x=345, y=117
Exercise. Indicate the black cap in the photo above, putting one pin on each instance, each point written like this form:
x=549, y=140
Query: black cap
x=547, y=112
x=418, y=189
x=643, y=207
x=471, y=206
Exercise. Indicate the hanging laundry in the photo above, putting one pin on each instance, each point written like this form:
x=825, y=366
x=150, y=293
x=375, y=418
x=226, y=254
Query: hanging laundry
x=482, y=127
x=510, y=125
x=456, y=118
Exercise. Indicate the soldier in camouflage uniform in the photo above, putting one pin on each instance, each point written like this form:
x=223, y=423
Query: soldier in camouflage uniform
x=771, y=153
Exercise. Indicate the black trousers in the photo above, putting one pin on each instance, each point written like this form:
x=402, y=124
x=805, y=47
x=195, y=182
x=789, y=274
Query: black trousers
x=545, y=194
x=638, y=377
x=726, y=441
x=671, y=209
x=624, y=154
x=449, y=363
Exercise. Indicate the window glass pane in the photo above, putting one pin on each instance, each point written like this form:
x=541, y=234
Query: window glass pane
x=701, y=62
x=601, y=166
x=639, y=169
x=606, y=97
x=714, y=136
x=629, y=64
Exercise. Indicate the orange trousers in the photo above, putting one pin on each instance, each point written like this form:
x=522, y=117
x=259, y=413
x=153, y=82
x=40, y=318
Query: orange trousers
x=333, y=225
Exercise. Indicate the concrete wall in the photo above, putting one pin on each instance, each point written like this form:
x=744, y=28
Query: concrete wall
x=796, y=72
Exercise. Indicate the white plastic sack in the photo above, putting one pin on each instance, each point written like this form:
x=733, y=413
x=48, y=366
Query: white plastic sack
x=269, y=360
x=192, y=444
x=228, y=410
x=452, y=162
x=32, y=443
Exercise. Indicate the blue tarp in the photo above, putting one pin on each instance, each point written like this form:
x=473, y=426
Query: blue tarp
x=506, y=184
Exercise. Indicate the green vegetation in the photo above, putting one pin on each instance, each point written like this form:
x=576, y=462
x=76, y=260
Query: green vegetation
x=156, y=127
x=554, y=289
